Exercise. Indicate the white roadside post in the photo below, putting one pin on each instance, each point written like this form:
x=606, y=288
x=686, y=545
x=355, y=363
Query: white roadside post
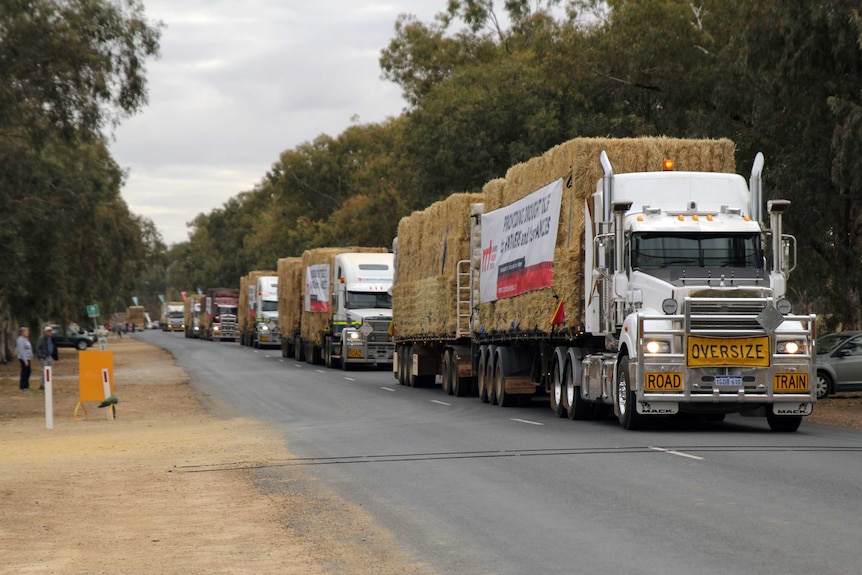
x=106, y=385
x=49, y=397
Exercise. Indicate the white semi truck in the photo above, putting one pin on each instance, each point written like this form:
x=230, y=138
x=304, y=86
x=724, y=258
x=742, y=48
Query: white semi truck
x=650, y=297
x=265, y=311
x=340, y=305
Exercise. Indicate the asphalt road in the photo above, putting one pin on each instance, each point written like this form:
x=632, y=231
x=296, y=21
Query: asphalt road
x=471, y=488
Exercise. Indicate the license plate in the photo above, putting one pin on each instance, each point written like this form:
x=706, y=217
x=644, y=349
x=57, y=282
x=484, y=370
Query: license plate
x=790, y=382
x=264, y=338
x=728, y=352
x=354, y=353
x=662, y=381
x=727, y=380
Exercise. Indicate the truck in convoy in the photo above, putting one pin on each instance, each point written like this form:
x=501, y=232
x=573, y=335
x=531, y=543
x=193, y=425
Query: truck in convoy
x=135, y=317
x=256, y=326
x=192, y=315
x=335, y=306
x=172, y=316
x=611, y=280
x=218, y=314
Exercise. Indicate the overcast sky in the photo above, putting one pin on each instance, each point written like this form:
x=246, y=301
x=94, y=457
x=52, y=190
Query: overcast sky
x=239, y=82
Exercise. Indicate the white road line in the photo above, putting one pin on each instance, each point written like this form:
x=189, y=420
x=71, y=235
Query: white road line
x=297, y=365
x=387, y=388
x=680, y=453
x=527, y=421
x=440, y=402
x=348, y=378
x=319, y=371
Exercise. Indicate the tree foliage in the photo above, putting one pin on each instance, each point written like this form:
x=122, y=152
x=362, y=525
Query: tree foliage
x=68, y=70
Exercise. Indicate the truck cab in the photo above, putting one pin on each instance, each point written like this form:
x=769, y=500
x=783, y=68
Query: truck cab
x=362, y=309
x=265, y=308
x=692, y=317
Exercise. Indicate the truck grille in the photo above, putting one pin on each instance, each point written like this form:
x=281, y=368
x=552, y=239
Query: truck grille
x=724, y=314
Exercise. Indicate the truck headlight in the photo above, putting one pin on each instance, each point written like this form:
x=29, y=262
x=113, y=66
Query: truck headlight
x=263, y=327
x=656, y=346
x=353, y=335
x=792, y=347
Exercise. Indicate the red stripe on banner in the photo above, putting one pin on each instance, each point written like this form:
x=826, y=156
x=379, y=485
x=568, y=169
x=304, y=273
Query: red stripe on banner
x=525, y=279
x=317, y=305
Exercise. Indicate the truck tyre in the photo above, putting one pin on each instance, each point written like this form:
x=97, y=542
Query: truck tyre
x=327, y=352
x=576, y=407
x=557, y=386
x=461, y=387
x=490, y=365
x=402, y=374
x=446, y=372
x=298, y=349
x=629, y=417
x=502, y=367
x=481, y=374
x=782, y=423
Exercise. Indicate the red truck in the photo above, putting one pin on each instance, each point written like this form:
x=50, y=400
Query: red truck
x=218, y=314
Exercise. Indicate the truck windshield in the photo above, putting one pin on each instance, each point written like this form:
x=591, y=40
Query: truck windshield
x=268, y=305
x=366, y=300
x=175, y=314
x=657, y=250
x=227, y=309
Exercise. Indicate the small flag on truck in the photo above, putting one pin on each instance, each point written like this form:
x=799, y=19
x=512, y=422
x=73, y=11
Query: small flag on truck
x=560, y=314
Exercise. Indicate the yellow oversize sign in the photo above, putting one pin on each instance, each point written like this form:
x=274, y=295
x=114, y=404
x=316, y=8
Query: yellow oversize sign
x=728, y=352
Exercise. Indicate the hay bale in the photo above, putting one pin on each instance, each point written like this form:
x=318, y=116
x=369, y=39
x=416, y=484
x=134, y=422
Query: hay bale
x=290, y=286
x=431, y=242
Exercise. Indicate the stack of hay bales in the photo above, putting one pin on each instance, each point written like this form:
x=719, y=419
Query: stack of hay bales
x=290, y=284
x=430, y=244
x=577, y=163
x=315, y=324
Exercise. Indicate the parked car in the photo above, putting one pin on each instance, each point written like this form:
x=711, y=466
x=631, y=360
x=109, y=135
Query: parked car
x=70, y=338
x=839, y=363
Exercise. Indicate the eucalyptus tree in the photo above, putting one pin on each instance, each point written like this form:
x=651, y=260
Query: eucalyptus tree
x=69, y=69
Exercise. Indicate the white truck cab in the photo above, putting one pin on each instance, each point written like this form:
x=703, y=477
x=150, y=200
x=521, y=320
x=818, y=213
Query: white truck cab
x=362, y=308
x=693, y=318
x=266, y=333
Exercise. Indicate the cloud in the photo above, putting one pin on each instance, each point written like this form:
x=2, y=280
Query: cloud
x=240, y=82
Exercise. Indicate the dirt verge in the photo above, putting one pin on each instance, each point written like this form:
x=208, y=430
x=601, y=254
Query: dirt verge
x=148, y=493
x=145, y=493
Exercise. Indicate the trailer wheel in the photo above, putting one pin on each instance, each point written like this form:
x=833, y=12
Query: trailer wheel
x=576, y=407
x=399, y=351
x=490, y=370
x=408, y=366
x=460, y=387
x=481, y=374
x=782, y=423
x=327, y=352
x=557, y=385
x=501, y=369
x=298, y=349
x=446, y=371
x=629, y=417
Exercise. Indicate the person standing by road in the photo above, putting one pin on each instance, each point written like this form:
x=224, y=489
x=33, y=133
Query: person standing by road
x=46, y=351
x=25, y=356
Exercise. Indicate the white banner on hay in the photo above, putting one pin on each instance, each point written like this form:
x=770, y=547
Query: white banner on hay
x=518, y=244
x=317, y=288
